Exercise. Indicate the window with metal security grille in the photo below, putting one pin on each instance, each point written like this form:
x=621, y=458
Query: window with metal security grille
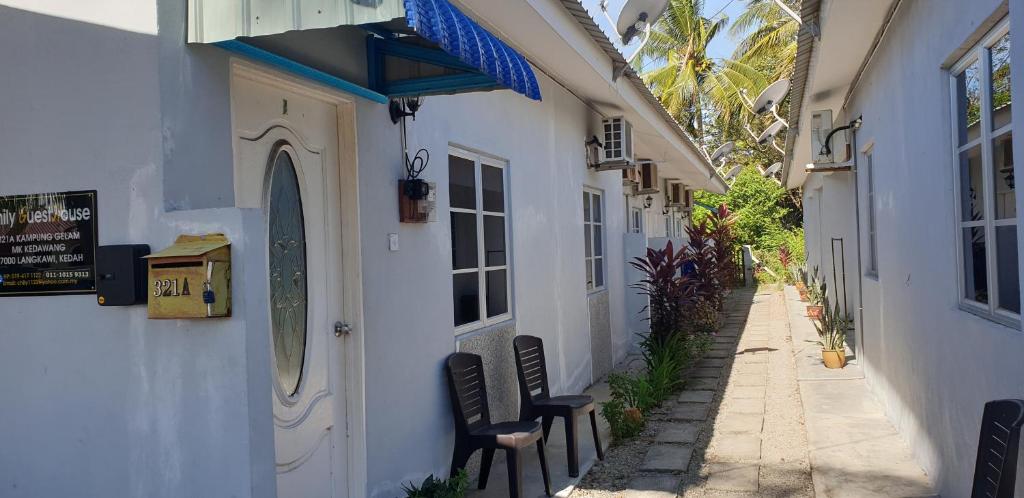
x=481, y=259
x=986, y=213
x=593, y=238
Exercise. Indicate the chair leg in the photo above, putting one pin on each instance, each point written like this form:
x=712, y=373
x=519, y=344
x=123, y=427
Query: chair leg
x=572, y=445
x=544, y=467
x=459, y=458
x=546, y=422
x=515, y=473
x=597, y=439
x=485, y=466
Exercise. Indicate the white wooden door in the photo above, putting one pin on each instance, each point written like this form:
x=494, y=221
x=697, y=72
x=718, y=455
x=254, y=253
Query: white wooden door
x=289, y=142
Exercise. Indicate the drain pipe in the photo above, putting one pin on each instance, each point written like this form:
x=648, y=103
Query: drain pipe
x=854, y=126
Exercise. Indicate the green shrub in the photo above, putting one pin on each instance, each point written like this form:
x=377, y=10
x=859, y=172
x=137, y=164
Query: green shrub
x=623, y=426
x=433, y=487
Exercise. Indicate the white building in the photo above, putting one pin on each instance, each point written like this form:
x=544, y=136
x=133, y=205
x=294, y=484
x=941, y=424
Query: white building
x=922, y=211
x=269, y=122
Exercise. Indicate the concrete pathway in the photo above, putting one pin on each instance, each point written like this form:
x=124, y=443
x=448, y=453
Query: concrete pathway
x=855, y=452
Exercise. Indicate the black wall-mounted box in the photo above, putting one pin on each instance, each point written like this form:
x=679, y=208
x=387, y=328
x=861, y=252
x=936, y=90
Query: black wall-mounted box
x=121, y=274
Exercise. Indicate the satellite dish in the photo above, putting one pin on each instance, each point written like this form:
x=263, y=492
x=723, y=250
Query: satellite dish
x=733, y=172
x=771, y=96
x=636, y=15
x=722, y=151
x=772, y=169
x=770, y=132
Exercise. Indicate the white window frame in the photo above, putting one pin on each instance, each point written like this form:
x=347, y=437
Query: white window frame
x=636, y=220
x=872, y=225
x=593, y=260
x=481, y=269
x=980, y=53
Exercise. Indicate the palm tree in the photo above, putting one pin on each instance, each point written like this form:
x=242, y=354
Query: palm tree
x=678, y=43
x=769, y=37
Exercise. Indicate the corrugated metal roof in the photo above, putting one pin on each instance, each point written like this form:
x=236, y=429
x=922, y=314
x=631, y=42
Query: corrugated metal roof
x=804, y=48
x=618, y=60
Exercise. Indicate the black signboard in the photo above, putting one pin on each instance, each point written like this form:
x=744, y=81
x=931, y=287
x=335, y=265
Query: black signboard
x=48, y=244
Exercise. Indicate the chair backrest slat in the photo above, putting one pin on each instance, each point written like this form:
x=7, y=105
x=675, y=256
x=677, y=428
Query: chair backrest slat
x=531, y=369
x=995, y=471
x=468, y=391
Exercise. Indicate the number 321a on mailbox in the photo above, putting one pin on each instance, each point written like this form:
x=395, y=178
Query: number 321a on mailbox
x=192, y=278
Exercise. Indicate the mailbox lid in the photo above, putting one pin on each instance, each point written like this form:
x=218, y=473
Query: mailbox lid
x=193, y=245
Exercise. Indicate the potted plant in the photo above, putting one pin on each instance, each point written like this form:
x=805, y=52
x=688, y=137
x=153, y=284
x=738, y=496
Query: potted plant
x=817, y=296
x=832, y=332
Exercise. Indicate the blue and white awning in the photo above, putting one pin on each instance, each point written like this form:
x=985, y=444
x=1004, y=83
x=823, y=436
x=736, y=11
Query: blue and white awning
x=441, y=22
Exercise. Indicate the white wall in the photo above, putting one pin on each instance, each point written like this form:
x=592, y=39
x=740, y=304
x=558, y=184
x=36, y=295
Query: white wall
x=408, y=294
x=102, y=401
x=932, y=365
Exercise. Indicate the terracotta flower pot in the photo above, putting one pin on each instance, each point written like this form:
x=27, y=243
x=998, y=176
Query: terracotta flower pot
x=801, y=287
x=833, y=358
x=803, y=296
x=814, y=312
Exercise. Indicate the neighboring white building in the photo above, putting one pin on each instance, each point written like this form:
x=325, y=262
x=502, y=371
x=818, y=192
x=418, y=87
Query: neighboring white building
x=269, y=122
x=924, y=212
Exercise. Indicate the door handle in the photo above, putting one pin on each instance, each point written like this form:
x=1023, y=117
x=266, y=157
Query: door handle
x=341, y=329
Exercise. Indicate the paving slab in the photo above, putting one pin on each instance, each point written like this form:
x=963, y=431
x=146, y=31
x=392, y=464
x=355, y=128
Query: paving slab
x=744, y=359
x=723, y=339
x=696, y=396
x=706, y=373
x=751, y=345
x=689, y=411
x=720, y=353
x=750, y=368
x=702, y=383
x=740, y=477
x=653, y=487
x=678, y=432
x=712, y=363
x=753, y=406
x=755, y=392
x=739, y=422
x=667, y=458
x=747, y=380
x=735, y=448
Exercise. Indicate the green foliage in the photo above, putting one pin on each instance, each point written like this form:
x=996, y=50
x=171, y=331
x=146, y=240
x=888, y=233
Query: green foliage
x=433, y=487
x=623, y=424
x=832, y=327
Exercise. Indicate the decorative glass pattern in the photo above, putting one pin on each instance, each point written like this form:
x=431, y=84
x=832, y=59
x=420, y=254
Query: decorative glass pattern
x=288, y=291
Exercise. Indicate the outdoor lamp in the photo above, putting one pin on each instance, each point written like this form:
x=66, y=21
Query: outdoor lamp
x=648, y=201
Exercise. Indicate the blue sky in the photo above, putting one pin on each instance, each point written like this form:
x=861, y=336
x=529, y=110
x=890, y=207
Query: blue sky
x=722, y=46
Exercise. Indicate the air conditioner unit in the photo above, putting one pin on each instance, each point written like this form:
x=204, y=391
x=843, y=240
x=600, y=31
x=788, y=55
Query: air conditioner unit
x=618, y=141
x=648, y=177
x=675, y=193
x=821, y=127
x=631, y=176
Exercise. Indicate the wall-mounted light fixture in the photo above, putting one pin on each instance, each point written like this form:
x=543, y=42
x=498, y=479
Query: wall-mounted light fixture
x=648, y=202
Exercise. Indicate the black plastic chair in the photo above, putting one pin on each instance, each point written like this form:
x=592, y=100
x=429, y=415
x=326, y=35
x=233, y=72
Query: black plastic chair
x=536, y=400
x=995, y=472
x=474, y=430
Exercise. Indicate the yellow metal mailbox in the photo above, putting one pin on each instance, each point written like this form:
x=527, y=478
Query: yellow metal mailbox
x=192, y=278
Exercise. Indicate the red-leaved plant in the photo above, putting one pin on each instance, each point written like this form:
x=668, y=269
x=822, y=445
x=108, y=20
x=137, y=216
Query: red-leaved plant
x=669, y=292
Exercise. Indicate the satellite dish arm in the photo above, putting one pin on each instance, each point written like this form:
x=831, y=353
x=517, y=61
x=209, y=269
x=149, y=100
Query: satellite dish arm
x=604, y=9
x=775, y=113
x=777, y=147
x=789, y=12
x=647, y=36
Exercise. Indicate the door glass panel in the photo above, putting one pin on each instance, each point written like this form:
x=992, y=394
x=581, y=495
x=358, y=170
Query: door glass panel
x=287, y=258
x=598, y=246
x=494, y=240
x=972, y=192
x=497, y=293
x=1000, y=53
x=968, y=102
x=461, y=182
x=1002, y=176
x=467, y=297
x=464, y=241
x=1006, y=268
x=492, y=182
x=586, y=206
x=975, y=276
x=598, y=272
x=597, y=208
